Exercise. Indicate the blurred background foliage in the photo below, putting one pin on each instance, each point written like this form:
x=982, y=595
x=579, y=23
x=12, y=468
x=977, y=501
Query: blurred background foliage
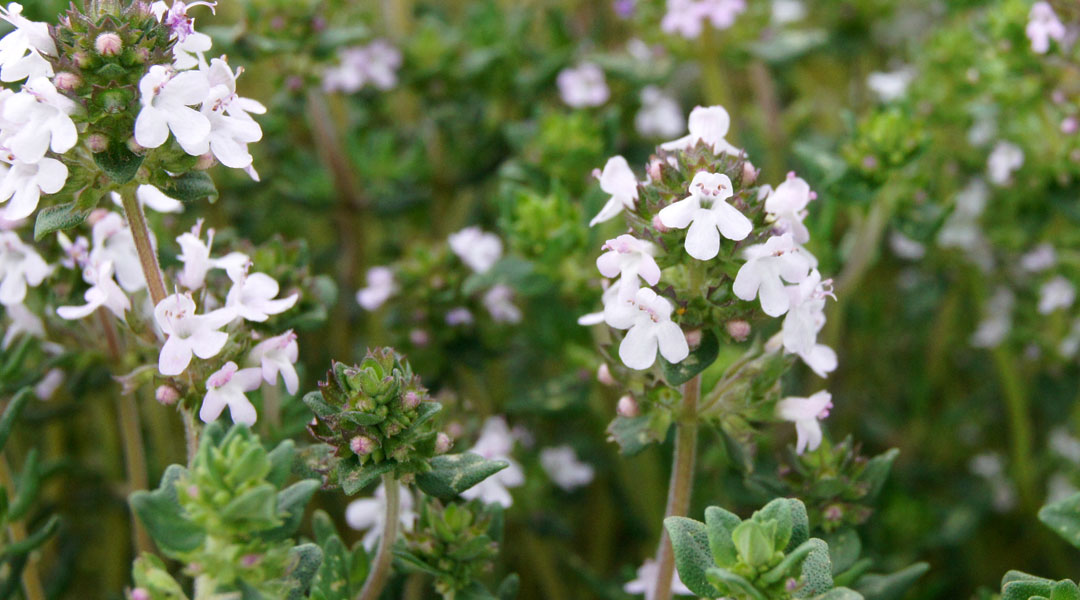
x=475, y=133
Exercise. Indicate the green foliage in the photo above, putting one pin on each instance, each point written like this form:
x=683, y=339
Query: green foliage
x=229, y=518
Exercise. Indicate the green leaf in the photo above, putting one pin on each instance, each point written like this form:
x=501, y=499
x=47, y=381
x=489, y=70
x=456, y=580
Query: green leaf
x=778, y=510
x=732, y=583
x=1065, y=590
x=877, y=471
x=452, y=474
x=789, y=44
x=690, y=544
x=254, y=505
x=281, y=462
x=360, y=418
x=800, y=524
x=634, y=434
x=892, y=586
x=353, y=477
x=32, y=541
x=12, y=412
x=1024, y=590
x=844, y=548
x=57, y=218
x=508, y=589
x=318, y=405
x=840, y=593
x=816, y=570
x=191, y=186
x=698, y=360
x=1063, y=517
x=290, y=506
x=119, y=163
x=304, y=563
x=164, y=517
x=719, y=524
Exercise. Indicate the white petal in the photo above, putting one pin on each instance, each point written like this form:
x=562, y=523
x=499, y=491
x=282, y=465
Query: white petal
x=638, y=348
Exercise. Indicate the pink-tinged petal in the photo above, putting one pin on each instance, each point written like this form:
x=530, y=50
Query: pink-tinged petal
x=732, y=224
x=678, y=215
x=649, y=270
x=248, y=379
x=207, y=344
x=747, y=281
x=638, y=348
x=608, y=212
x=213, y=404
x=151, y=128
x=608, y=264
x=672, y=342
x=774, y=298
x=175, y=356
x=702, y=239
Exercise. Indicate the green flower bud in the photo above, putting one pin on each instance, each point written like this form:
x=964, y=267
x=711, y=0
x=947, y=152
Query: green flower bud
x=754, y=543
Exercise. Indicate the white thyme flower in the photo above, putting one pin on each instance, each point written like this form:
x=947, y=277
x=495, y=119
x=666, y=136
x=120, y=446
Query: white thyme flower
x=583, y=86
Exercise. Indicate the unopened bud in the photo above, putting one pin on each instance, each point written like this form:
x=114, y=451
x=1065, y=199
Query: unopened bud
x=738, y=329
x=140, y=594
x=108, y=44
x=362, y=445
x=96, y=215
x=410, y=400
x=654, y=169
x=419, y=337
x=142, y=55
x=627, y=407
x=65, y=81
x=250, y=560
x=205, y=161
x=1070, y=125
x=749, y=173
x=166, y=395
x=81, y=60
x=603, y=375
x=97, y=143
x=658, y=224
x=833, y=513
x=443, y=443
x=693, y=338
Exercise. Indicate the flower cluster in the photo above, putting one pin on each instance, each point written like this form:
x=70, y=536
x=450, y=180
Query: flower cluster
x=773, y=266
x=376, y=63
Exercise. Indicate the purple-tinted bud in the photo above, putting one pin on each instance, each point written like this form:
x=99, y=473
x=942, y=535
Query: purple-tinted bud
x=205, y=161
x=627, y=407
x=294, y=83
x=659, y=225
x=166, y=395
x=97, y=143
x=791, y=584
x=318, y=23
x=738, y=329
x=277, y=23
x=833, y=513
x=362, y=445
x=65, y=81
x=193, y=491
x=136, y=147
x=870, y=162
x=140, y=594
x=603, y=375
x=142, y=55
x=1058, y=96
x=81, y=60
x=693, y=338
x=1070, y=125
x=443, y=443
x=419, y=337
x=455, y=429
x=749, y=173
x=250, y=560
x=108, y=44
x=410, y=400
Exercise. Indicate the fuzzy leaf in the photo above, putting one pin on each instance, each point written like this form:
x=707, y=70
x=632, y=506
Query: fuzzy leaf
x=12, y=412
x=163, y=516
x=690, y=544
x=290, y=505
x=353, y=477
x=877, y=471
x=254, y=505
x=698, y=360
x=841, y=593
x=844, y=548
x=634, y=434
x=719, y=524
x=119, y=163
x=452, y=474
x=191, y=186
x=304, y=562
x=778, y=510
x=891, y=586
x=57, y=218
x=1063, y=517
x=816, y=570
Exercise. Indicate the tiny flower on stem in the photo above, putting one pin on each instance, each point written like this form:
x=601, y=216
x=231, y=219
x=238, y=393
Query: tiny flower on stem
x=20, y=267
x=628, y=258
x=477, y=249
x=380, y=288
x=188, y=333
x=708, y=125
x=707, y=224
x=805, y=414
x=767, y=266
x=226, y=387
x=618, y=180
x=103, y=292
x=253, y=296
x=786, y=206
x=650, y=330
x=278, y=355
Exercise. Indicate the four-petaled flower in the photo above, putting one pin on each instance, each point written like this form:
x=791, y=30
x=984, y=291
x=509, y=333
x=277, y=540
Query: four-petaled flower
x=805, y=414
x=628, y=258
x=707, y=224
x=475, y=248
x=583, y=86
x=41, y=116
x=786, y=206
x=226, y=387
x=253, y=296
x=167, y=98
x=278, y=355
x=188, y=333
x=103, y=291
x=650, y=329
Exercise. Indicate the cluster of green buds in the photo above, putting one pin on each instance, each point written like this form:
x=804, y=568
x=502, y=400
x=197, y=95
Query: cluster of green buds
x=838, y=483
x=377, y=418
x=230, y=519
x=771, y=556
x=457, y=545
x=884, y=142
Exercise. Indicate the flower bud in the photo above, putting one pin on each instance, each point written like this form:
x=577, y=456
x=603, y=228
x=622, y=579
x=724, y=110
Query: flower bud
x=81, y=60
x=108, y=44
x=833, y=513
x=362, y=446
x=1070, y=125
x=205, y=161
x=752, y=543
x=166, y=395
x=659, y=225
x=140, y=594
x=65, y=81
x=250, y=560
x=627, y=407
x=749, y=173
x=443, y=443
x=142, y=55
x=135, y=147
x=693, y=338
x=410, y=400
x=738, y=329
x=603, y=375
x=97, y=143
x=654, y=169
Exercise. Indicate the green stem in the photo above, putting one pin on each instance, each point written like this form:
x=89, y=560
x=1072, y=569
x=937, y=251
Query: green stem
x=1020, y=427
x=155, y=282
x=134, y=462
x=682, y=482
x=30, y=577
x=191, y=433
x=380, y=570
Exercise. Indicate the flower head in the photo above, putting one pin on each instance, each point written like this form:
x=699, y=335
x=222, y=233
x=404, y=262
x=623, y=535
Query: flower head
x=369, y=514
x=496, y=442
x=21, y=50
x=253, y=297
x=786, y=206
x=499, y=302
x=380, y=288
x=1043, y=26
x=565, y=469
x=659, y=116
x=103, y=291
x=20, y=267
x=39, y=115
x=167, y=95
x=629, y=258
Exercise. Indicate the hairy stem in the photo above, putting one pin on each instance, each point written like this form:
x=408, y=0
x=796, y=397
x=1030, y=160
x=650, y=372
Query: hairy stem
x=30, y=577
x=134, y=462
x=380, y=570
x=682, y=482
x=147, y=256
x=191, y=433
